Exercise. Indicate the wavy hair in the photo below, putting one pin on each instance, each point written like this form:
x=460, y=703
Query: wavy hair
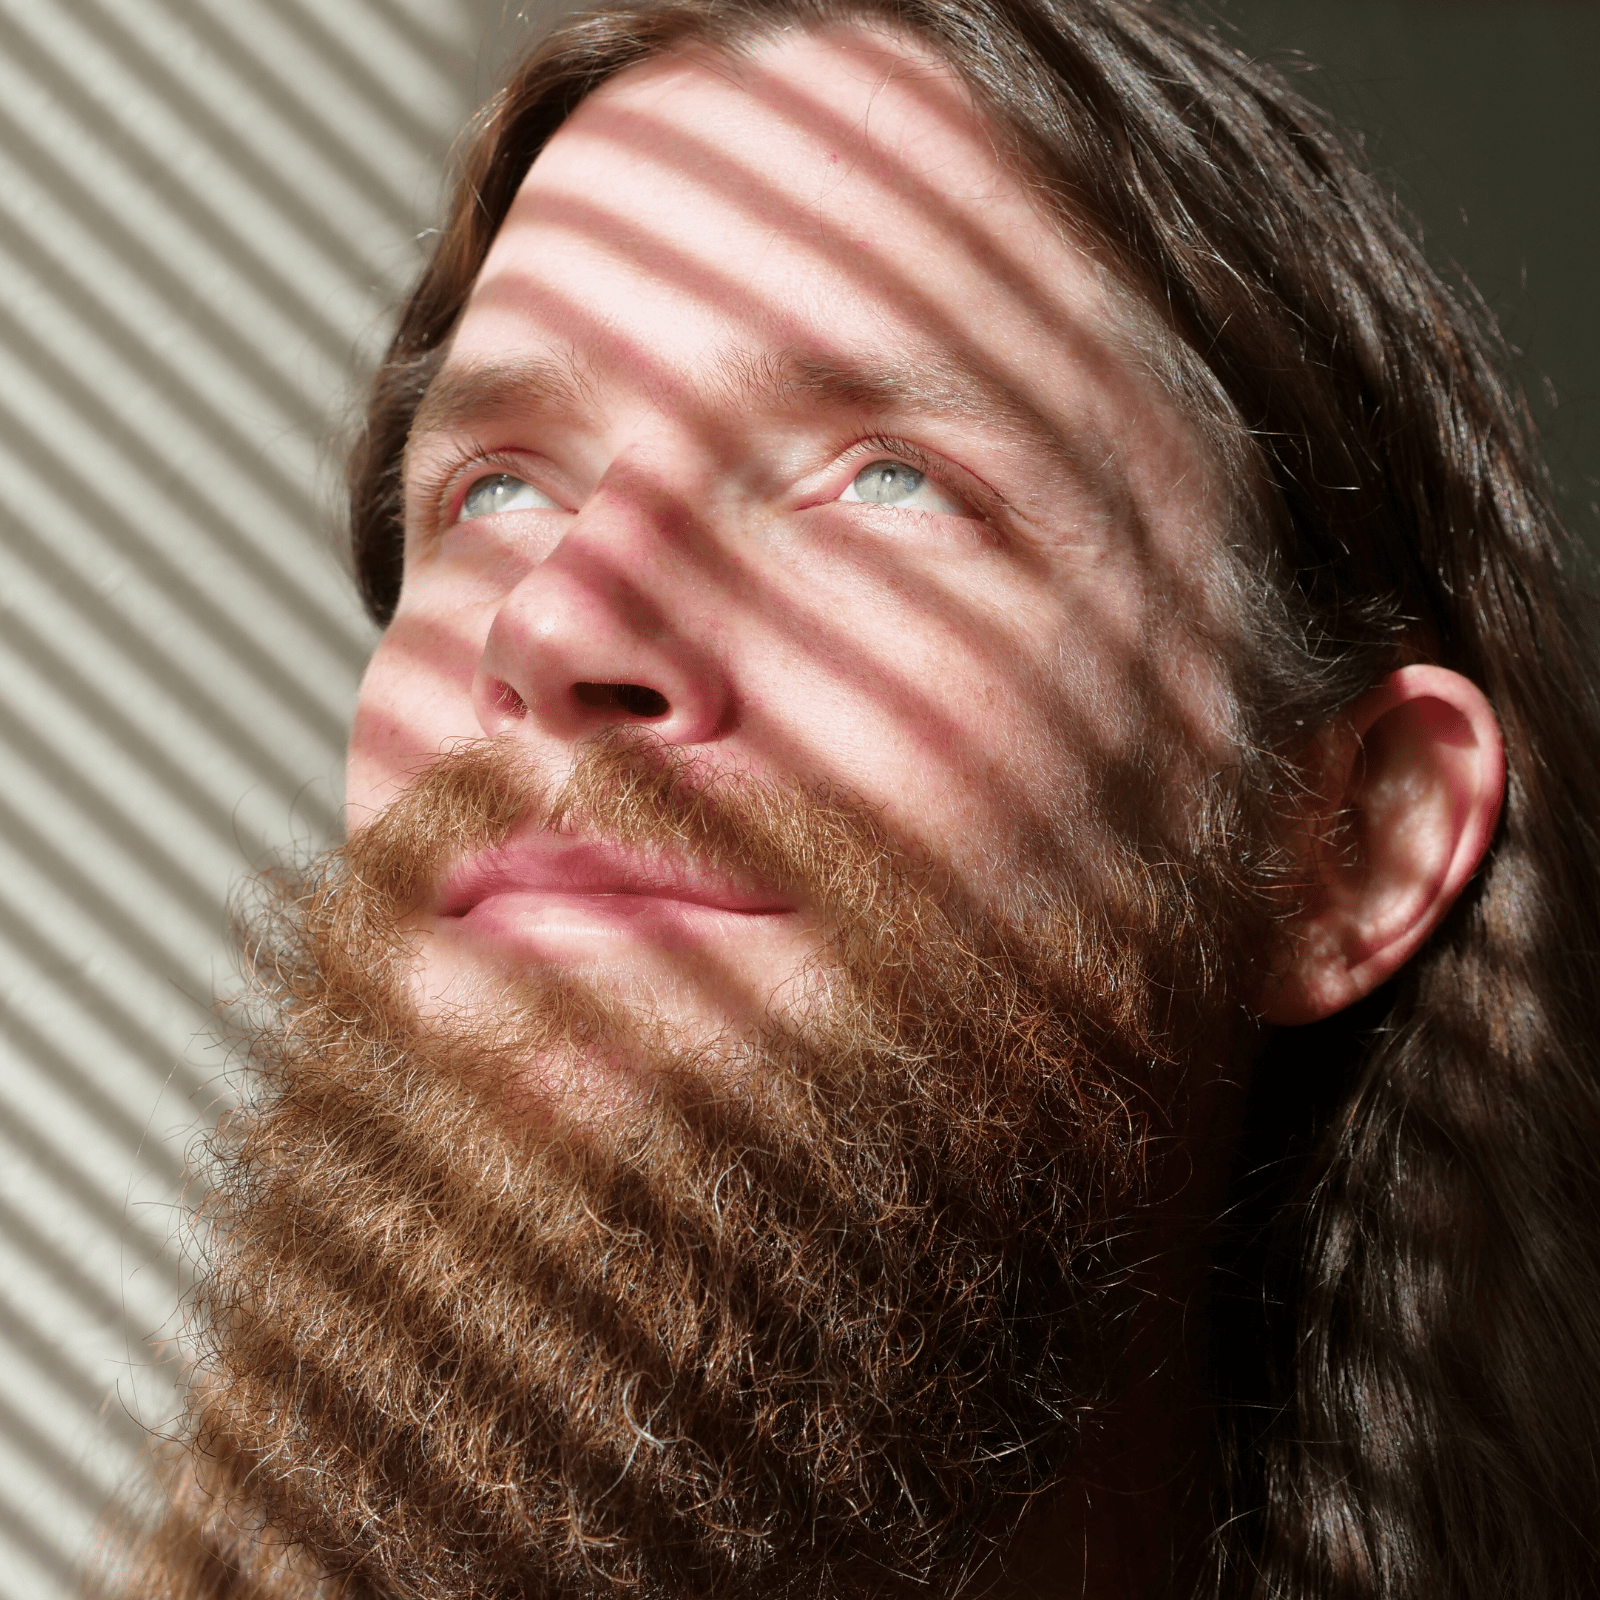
x=1406, y=1311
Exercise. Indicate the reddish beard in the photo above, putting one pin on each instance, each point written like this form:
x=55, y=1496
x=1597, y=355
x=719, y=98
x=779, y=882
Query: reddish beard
x=802, y=1317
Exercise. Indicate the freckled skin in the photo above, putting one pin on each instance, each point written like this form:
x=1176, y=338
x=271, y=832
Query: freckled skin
x=960, y=663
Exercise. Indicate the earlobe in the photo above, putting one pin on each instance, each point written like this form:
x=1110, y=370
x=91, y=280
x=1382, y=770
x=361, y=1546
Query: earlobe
x=1411, y=788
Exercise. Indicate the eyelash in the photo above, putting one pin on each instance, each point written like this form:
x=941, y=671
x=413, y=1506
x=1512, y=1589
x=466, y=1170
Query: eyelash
x=445, y=479
x=880, y=445
x=438, y=488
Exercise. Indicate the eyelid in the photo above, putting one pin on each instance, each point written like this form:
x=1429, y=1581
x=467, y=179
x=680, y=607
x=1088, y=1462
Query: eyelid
x=442, y=484
x=960, y=485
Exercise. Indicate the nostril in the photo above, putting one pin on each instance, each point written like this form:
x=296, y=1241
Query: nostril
x=633, y=698
x=508, y=701
x=640, y=701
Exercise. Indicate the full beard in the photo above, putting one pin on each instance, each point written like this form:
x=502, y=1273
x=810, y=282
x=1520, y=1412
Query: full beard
x=811, y=1312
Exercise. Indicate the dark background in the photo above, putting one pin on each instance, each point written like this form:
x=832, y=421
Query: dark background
x=1484, y=116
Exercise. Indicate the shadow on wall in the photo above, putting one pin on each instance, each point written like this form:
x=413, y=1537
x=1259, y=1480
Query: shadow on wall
x=207, y=209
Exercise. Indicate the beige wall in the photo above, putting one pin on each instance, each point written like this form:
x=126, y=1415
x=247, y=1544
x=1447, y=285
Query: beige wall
x=207, y=208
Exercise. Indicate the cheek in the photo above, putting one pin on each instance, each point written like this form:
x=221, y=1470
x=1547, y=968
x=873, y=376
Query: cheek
x=1001, y=739
x=926, y=700
x=415, y=700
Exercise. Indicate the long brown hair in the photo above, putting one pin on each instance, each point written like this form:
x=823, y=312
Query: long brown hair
x=1407, y=1310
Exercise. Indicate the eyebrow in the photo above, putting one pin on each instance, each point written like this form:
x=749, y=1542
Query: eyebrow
x=764, y=382
x=773, y=382
x=460, y=396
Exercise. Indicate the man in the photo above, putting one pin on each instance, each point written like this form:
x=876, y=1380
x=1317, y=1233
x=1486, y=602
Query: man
x=966, y=957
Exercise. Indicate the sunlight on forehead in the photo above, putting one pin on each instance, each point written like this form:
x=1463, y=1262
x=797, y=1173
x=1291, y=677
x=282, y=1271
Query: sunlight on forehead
x=816, y=196
x=834, y=198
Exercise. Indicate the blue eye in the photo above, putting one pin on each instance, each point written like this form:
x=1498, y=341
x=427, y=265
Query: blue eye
x=887, y=483
x=502, y=492
x=893, y=483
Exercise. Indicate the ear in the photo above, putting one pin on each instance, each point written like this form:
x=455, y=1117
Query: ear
x=1411, y=784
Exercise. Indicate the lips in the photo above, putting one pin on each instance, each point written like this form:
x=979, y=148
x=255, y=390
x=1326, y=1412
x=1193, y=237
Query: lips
x=547, y=884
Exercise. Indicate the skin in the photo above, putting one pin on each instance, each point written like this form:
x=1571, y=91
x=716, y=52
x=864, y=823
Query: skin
x=725, y=289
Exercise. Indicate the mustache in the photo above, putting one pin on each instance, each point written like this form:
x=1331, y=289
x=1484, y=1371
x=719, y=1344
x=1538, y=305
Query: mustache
x=629, y=787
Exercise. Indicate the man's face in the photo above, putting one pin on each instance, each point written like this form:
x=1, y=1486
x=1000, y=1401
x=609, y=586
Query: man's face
x=781, y=426
x=784, y=422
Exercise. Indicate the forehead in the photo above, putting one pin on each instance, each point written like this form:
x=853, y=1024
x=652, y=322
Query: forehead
x=830, y=196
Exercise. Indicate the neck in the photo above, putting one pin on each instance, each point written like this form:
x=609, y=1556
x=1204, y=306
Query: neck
x=1109, y=1530
x=1120, y=1522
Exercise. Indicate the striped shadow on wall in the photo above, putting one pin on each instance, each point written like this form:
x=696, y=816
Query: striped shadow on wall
x=207, y=208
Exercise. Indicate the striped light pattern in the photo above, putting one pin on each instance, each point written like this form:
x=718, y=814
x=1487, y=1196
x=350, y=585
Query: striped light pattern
x=207, y=209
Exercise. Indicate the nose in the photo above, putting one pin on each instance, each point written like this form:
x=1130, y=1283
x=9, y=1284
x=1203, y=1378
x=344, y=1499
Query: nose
x=597, y=634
